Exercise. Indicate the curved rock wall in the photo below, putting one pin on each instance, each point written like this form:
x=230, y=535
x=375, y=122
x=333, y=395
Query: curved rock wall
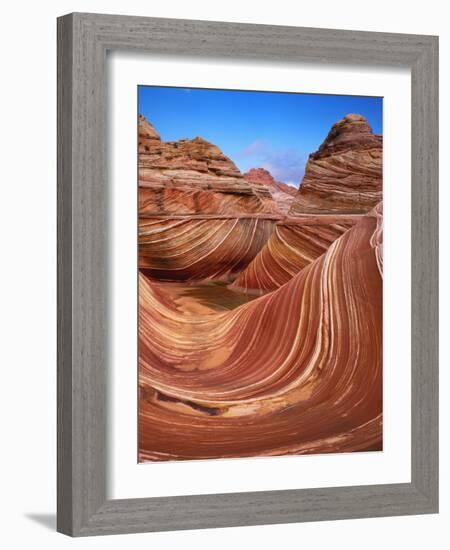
x=294, y=243
x=345, y=175
x=296, y=371
x=199, y=248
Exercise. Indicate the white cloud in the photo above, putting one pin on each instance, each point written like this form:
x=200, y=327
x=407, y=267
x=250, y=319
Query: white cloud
x=256, y=147
x=287, y=165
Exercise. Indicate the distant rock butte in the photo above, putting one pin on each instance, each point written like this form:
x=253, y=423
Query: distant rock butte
x=262, y=176
x=345, y=175
x=192, y=176
x=262, y=181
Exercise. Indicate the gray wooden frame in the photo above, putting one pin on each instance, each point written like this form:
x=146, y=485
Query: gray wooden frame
x=83, y=41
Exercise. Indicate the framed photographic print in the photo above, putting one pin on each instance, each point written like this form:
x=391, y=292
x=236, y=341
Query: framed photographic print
x=247, y=274
x=239, y=354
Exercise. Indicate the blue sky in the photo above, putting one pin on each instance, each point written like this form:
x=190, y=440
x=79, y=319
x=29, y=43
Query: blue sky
x=273, y=130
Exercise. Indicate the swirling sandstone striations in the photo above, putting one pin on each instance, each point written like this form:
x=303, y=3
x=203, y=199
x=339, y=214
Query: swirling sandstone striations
x=343, y=180
x=295, y=371
x=294, y=243
x=192, y=176
x=200, y=247
x=198, y=217
x=345, y=174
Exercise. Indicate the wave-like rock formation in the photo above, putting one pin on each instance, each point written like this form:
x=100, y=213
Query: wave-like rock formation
x=199, y=218
x=296, y=371
x=201, y=247
x=192, y=176
x=343, y=180
x=262, y=181
x=295, y=243
x=345, y=174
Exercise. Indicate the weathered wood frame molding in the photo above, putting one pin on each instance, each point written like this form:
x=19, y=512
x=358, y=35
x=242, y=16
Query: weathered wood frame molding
x=83, y=41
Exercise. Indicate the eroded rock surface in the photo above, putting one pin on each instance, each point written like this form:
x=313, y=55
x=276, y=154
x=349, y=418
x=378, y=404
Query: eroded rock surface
x=345, y=174
x=296, y=371
x=192, y=176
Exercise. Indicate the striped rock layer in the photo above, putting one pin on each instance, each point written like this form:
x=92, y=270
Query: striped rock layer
x=192, y=176
x=343, y=180
x=345, y=175
x=200, y=247
x=296, y=371
x=294, y=243
x=199, y=218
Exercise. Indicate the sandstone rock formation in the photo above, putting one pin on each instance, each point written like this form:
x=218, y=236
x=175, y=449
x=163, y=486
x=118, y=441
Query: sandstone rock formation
x=287, y=359
x=345, y=175
x=192, y=176
x=148, y=136
x=294, y=243
x=296, y=371
x=198, y=248
x=343, y=180
x=198, y=217
x=262, y=181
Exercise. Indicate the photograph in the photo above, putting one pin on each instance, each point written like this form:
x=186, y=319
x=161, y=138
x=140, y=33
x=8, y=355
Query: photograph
x=222, y=249
x=259, y=272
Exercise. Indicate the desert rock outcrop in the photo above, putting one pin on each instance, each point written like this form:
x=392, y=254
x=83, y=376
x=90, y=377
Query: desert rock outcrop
x=343, y=180
x=192, y=176
x=294, y=243
x=198, y=216
x=345, y=174
x=262, y=379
